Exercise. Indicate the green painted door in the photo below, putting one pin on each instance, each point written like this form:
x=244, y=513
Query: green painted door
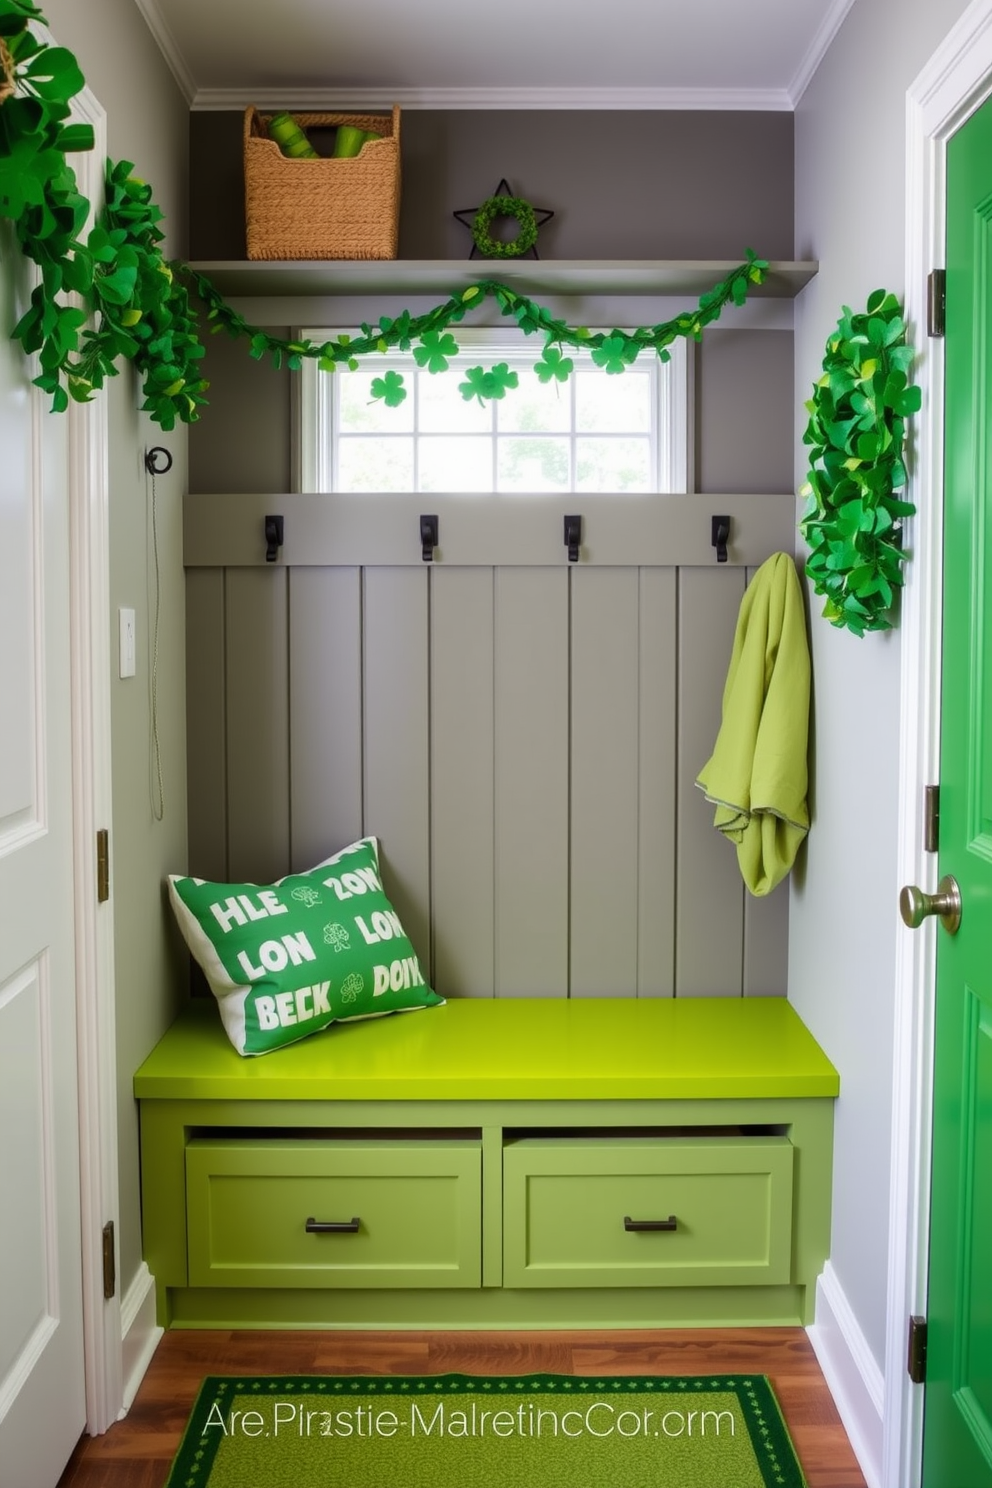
x=957, y=1439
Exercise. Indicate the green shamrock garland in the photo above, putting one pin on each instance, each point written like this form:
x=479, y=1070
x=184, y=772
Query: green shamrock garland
x=139, y=306
x=434, y=346
x=856, y=433
x=141, y=313
x=38, y=191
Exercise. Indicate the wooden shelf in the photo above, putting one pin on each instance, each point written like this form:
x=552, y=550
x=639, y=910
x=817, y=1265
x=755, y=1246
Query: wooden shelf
x=532, y=276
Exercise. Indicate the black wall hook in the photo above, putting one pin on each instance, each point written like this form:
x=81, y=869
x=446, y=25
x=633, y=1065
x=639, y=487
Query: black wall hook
x=273, y=537
x=573, y=537
x=428, y=537
x=152, y=464
x=720, y=536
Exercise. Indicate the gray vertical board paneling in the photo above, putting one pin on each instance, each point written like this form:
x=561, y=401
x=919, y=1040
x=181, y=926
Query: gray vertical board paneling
x=709, y=890
x=766, y=943
x=657, y=773
x=206, y=762
x=396, y=740
x=325, y=711
x=257, y=724
x=462, y=780
x=766, y=935
x=531, y=817
x=604, y=781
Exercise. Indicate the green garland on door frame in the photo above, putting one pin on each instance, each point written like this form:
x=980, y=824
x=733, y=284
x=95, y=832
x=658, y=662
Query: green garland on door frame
x=856, y=432
x=138, y=303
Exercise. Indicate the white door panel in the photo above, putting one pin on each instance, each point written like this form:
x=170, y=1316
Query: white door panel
x=42, y=1408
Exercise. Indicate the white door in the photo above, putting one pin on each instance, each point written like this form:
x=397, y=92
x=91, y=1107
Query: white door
x=42, y=1408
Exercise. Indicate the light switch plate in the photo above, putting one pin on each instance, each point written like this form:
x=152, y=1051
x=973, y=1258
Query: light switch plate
x=127, y=643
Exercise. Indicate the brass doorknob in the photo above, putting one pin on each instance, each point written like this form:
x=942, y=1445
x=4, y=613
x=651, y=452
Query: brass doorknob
x=915, y=905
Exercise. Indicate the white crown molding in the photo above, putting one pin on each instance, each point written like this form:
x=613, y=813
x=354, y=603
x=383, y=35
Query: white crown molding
x=166, y=43
x=367, y=100
x=818, y=48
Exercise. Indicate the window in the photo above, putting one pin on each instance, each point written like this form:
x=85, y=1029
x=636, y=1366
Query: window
x=594, y=432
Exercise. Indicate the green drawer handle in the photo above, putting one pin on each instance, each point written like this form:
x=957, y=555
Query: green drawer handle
x=332, y=1226
x=671, y=1223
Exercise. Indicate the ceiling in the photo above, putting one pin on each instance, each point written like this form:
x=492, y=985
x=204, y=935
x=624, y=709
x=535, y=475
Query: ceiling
x=514, y=54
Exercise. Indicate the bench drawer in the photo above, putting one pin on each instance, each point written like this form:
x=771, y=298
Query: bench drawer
x=417, y=1206
x=575, y=1211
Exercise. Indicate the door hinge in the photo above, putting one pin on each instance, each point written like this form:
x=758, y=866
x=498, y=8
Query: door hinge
x=102, y=866
x=931, y=818
x=109, y=1261
x=936, y=302
x=916, y=1356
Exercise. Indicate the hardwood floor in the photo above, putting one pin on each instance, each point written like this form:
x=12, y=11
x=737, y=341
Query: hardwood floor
x=136, y=1452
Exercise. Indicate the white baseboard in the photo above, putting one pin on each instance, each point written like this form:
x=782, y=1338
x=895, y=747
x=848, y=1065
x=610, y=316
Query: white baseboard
x=855, y=1380
x=140, y=1332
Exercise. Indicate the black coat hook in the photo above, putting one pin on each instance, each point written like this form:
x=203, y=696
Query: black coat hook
x=573, y=537
x=273, y=537
x=152, y=464
x=428, y=537
x=720, y=536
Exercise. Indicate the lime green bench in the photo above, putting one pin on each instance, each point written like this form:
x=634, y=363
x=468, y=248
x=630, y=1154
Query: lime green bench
x=496, y=1164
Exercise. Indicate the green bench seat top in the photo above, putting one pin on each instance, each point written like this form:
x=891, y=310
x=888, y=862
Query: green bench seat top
x=703, y=1048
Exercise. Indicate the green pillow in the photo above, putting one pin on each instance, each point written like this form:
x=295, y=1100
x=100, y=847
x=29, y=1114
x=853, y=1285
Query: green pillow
x=315, y=948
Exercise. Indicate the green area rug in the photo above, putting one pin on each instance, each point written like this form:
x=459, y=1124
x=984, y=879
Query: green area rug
x=460, y=1431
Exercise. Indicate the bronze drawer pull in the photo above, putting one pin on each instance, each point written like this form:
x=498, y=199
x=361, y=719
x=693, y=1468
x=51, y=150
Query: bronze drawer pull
x=332, y=1226
x=671, y=1223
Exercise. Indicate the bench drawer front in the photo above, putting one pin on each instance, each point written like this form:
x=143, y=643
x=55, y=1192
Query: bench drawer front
x=566, y=1203
x=418, y=1206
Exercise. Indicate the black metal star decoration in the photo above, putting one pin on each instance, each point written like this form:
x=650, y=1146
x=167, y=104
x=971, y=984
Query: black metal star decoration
x=536, y=217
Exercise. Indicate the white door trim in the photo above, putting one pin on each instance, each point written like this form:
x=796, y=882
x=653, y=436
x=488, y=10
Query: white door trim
x=954, y=82
x=89, y=602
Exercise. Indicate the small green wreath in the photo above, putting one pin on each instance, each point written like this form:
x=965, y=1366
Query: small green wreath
x=856, y=431
x=504, y=206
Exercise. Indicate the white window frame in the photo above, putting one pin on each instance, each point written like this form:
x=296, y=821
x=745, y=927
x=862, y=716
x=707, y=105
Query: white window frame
x=672, y=404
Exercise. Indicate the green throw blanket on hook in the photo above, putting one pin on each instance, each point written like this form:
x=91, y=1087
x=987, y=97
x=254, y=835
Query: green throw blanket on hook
x=756, y=775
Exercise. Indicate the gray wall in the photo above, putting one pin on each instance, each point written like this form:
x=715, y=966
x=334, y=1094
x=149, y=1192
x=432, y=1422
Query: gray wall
x=147, y=123
x=850, y=214
x=743, y=383
x=621, y=185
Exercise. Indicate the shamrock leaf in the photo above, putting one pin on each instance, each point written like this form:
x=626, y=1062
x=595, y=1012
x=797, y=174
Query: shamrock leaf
x=612, y=354
x=493, y=384
x=397, y=332
x=528, y=316
x=389, y=388
x=25, y=170
x=502, y=378
x=554, y=365
x=475, y=385
x=434, y=351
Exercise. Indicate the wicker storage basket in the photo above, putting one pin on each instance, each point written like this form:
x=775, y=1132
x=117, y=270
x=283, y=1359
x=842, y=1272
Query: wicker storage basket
x=323, y=208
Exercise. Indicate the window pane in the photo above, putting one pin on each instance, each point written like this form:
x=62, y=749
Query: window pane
x=612, y=465
x=532, y=464
x=612, y=404
x=376, y=464
x=456, y=463
x=359, y=413
x=534, y=407
x=443, y=410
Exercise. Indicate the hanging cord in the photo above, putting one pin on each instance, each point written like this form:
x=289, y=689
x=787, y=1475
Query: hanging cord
x=154, y=468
